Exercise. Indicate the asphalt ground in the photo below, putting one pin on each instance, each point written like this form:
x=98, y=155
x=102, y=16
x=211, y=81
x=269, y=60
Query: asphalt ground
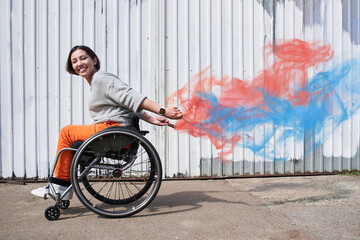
x=311, y=207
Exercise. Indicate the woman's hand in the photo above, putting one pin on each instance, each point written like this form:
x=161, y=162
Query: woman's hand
x=173, y=113
x=160, y=121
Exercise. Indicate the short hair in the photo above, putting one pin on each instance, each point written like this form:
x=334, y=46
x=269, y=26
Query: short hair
x=69, y=68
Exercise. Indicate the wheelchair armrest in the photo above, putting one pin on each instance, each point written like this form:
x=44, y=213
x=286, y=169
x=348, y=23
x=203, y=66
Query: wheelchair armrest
x=127, y=127
x=77, y=144
x=143, y=132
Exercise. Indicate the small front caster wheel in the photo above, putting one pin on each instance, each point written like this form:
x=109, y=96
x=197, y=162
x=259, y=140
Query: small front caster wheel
x=52, y=213
x=64, y=204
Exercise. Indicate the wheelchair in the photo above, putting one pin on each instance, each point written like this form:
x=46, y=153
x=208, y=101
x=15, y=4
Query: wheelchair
x=115, y=173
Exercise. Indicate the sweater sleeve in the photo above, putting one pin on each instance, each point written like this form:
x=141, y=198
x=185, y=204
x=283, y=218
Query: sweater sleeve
x=125, y=96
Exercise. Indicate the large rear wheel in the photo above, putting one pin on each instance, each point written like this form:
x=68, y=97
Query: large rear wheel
x=116, y=172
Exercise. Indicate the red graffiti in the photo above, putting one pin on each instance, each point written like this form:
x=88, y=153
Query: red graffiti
x=285, y=76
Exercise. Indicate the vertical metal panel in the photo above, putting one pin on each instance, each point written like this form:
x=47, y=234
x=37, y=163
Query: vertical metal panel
x=6, y=90
x=160, y=46
x=31, y=154
x=42, y=125
x=18, y=118
x=195, y=51
x=76, y=22
x=171, y=57
x=53, y=76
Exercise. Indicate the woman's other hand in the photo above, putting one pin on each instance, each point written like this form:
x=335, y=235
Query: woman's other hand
x=160, y=121
x=157, y=120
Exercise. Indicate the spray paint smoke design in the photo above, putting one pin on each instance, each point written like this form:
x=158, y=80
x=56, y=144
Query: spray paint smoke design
x=281, y=101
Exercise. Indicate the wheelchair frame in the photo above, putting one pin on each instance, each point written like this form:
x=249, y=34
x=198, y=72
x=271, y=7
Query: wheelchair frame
x=114, y=173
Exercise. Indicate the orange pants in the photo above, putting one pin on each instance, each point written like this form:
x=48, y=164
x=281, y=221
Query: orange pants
x=68, y=135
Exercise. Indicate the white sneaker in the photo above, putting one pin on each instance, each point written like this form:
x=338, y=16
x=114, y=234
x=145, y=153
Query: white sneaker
x=61, y=189
x=40, y=192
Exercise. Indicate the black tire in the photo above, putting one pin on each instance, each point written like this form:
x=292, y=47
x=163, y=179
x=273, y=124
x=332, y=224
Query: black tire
x=52, y=213
x=116, y=172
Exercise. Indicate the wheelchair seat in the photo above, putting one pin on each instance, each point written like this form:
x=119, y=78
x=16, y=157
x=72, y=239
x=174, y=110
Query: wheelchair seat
x=78, y=143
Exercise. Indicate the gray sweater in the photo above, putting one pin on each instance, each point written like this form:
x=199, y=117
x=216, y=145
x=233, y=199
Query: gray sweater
x=112, y=100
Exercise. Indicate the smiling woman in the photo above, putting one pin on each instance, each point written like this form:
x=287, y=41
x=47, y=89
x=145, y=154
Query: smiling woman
x=82, y=61
x=112, y=103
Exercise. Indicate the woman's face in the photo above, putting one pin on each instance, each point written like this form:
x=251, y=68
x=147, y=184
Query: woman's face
x=83, y=64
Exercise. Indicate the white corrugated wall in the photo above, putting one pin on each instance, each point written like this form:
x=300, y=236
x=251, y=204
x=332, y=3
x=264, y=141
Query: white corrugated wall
x=162, y=46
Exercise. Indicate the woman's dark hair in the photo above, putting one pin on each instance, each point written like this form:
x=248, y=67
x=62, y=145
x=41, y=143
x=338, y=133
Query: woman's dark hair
x=88, y=50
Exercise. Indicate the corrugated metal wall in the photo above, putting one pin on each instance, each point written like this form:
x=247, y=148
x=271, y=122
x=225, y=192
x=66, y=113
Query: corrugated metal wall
x=266, y=86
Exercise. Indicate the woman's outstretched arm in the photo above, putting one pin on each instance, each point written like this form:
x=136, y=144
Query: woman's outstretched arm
x=170, y=112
